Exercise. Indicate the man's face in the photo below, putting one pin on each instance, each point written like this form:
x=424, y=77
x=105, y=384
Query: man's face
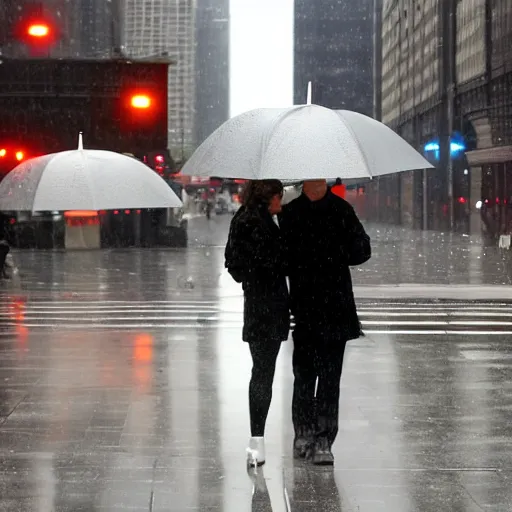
x=312, y=186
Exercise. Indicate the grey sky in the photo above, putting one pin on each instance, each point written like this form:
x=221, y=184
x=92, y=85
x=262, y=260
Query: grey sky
x=261, y=54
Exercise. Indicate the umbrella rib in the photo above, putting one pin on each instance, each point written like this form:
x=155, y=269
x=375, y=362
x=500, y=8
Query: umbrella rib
x=268, y=136
x=89, y=179
x=359, y=146
x=36, y=188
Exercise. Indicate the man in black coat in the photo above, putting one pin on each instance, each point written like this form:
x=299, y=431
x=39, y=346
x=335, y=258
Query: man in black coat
x=323, y=237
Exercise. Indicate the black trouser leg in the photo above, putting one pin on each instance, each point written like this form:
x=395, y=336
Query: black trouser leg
x=330, y=366
x=304, y=371
x=264, y=356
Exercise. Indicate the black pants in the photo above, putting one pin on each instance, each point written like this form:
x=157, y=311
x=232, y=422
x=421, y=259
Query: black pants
x=264, y=356
x=316, y=357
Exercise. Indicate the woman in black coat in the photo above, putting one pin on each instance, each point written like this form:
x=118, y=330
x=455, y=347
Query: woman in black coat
x=256, y=257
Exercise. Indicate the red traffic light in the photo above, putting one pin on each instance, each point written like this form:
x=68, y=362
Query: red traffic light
x=141, y=101
x=12, y=153
x=140, y=108
x=38, y=30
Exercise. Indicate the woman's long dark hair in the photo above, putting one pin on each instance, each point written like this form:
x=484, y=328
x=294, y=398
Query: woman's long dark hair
x=260, y=192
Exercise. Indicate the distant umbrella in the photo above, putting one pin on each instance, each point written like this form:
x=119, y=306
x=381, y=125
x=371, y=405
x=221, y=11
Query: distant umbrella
x=84, y=179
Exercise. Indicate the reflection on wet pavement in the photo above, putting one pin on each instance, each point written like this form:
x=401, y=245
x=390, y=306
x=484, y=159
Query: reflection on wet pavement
x=130, y=419
x=122, y=387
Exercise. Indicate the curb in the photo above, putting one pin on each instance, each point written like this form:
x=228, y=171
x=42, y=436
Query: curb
x=434, y=291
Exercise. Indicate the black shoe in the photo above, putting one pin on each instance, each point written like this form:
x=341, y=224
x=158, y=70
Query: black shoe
x=302, y=448
x=322, y=455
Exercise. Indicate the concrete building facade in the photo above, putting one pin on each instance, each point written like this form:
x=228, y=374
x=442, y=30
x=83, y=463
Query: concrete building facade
x=167, y=28
x=446, y=70
x=212, y=66
x=410, y=84
x=410, y=57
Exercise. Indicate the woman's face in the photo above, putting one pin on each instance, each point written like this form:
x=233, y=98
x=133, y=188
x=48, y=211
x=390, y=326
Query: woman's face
x=274, y=206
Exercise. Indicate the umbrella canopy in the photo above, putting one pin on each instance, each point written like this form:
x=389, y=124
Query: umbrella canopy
x=303, y=142
x=84, y=180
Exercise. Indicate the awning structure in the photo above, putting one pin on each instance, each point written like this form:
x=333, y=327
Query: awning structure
x=487, y=156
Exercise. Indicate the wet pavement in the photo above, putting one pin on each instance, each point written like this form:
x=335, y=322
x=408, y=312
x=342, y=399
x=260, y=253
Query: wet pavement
x=405, y=264
x=123, y=386
x=404, y=256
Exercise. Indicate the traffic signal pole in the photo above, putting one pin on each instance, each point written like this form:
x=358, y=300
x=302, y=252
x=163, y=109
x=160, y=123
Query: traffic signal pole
x=447, y=15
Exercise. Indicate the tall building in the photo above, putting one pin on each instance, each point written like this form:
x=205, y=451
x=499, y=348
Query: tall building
x=410, y=56
x=78, y=29
x=212, y=66
x=334, y=50
x=154, y=28
x=97, y=26
x=446, y=77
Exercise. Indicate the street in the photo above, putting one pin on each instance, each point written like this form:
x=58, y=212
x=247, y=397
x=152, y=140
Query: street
x=123, y=384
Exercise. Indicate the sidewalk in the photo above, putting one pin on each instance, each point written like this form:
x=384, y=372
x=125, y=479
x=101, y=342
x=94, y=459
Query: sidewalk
x=158, y=421
x=141, y=404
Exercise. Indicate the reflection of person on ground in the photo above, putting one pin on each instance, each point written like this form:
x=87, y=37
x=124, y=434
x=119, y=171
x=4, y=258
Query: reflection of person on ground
x=260, y=496
x=315, y=490
x=255, y=257
x=323, y=237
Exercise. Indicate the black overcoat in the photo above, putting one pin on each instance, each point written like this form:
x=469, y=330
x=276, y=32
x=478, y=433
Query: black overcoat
x=256, y=257
x=324, y=238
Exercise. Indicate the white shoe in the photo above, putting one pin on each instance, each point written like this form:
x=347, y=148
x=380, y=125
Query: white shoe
x=256, y=452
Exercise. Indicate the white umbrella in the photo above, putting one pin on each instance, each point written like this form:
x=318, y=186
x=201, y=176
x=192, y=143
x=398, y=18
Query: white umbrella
x=84, y=180
x=303, y=142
